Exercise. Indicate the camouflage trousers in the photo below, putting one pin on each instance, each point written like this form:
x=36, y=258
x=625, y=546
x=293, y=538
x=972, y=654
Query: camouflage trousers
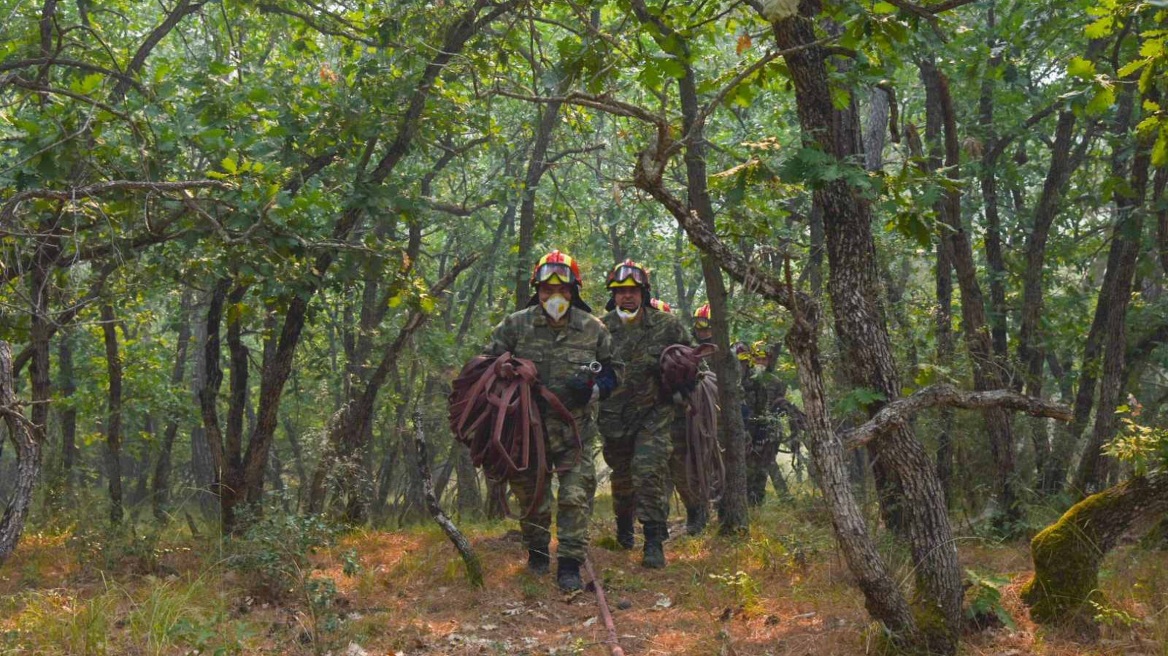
x=760, y=460
x=576, y=489
x=690, y=498
x=638, y=453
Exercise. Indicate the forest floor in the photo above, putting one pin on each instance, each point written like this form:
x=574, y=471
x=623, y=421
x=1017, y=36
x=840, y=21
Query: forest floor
x=781, y=590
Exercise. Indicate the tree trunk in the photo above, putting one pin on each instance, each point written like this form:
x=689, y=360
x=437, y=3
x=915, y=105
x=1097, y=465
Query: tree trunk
x=1068, y=553
x=202, y=467
x=944, y=337
x=987, y=370
x=113, y=428
x=1062, y=164
x=68, y=386
x=209, y=397
x=27, y=439
x=536, y=166
x=160, y=497
x=732, y=509
x=278, y=366
x=1126, y=241
x=882, y=597
x=989, y=194
x=860, y=324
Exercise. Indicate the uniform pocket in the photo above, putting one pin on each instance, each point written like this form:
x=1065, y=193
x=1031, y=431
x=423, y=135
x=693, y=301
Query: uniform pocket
x=578, y=356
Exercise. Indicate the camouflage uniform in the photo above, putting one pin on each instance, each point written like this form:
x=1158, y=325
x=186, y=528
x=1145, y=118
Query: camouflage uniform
x=764, y=431
x=635, y=421
x=559, y=355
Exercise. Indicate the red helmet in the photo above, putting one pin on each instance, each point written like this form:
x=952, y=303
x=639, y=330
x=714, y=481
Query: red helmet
x=628, y=274
x=701, y=317
x=557, y=267
x=661, y=305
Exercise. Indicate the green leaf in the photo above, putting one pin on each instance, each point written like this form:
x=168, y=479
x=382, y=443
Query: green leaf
x=1100, y=28
x=1152, y=48
x=1147, y=125
x=671, y=66
x=229, y=165
x=1160, y=150
x=1102, y=101
x=1132, y=67
x=884, y=8
x=1081, y=68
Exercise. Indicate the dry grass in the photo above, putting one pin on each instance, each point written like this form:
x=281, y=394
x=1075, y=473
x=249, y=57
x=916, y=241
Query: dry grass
x=781, y=591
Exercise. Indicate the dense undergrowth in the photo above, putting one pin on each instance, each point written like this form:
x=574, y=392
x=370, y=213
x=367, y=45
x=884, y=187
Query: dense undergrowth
x=296, y=585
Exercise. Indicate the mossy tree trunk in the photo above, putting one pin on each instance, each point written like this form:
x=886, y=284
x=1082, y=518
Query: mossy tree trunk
x=1068, y=553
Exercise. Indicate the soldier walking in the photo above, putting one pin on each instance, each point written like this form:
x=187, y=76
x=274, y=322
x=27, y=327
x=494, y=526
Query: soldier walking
x=635, y=421
x=762, y=390
x=573, y=352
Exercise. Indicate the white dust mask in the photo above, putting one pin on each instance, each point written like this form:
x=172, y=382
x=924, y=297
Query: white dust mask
x=556, y=306
x=627, y=315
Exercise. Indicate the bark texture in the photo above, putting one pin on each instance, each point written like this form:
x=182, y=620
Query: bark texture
x=27, y=438
x=1068, y=553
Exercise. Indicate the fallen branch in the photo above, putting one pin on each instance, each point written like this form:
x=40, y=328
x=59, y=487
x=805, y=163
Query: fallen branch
x=474, y=568
x=613, y=644
x=902, y=411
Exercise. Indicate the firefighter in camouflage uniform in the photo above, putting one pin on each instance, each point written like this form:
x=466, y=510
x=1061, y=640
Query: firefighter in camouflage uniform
x=762, y=390
x=573, y=353
x=635, y=421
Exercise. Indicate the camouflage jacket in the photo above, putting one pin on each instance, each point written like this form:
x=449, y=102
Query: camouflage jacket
x=761, y=393
x=638, y=345
x=559, y=354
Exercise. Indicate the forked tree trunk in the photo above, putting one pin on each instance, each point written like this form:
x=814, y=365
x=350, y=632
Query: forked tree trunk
x=1095, y=469
x=987, y=369
x=27, y=438
x=860, y=324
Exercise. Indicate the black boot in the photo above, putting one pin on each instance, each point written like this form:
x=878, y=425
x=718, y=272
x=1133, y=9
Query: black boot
x=624, y=531
x=654, y=555
x=568, y=574
x=538, y=561
x=695, y=519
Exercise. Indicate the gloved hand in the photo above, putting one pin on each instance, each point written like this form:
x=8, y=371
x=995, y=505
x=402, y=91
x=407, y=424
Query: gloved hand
x=579, y=392
x=606, y=381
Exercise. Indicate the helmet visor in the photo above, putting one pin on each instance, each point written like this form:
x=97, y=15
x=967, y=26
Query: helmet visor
x=625, y=272
x=554, y=272
x=701, y=324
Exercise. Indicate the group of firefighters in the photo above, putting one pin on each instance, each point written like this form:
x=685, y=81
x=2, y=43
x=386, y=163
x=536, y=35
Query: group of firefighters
x=607, y=373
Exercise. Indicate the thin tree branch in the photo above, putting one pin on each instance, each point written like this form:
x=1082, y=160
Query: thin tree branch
x=98, y=189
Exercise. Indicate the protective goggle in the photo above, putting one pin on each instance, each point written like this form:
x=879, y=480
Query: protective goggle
x=701, y=324
x=556, y=273
x=626, y=272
